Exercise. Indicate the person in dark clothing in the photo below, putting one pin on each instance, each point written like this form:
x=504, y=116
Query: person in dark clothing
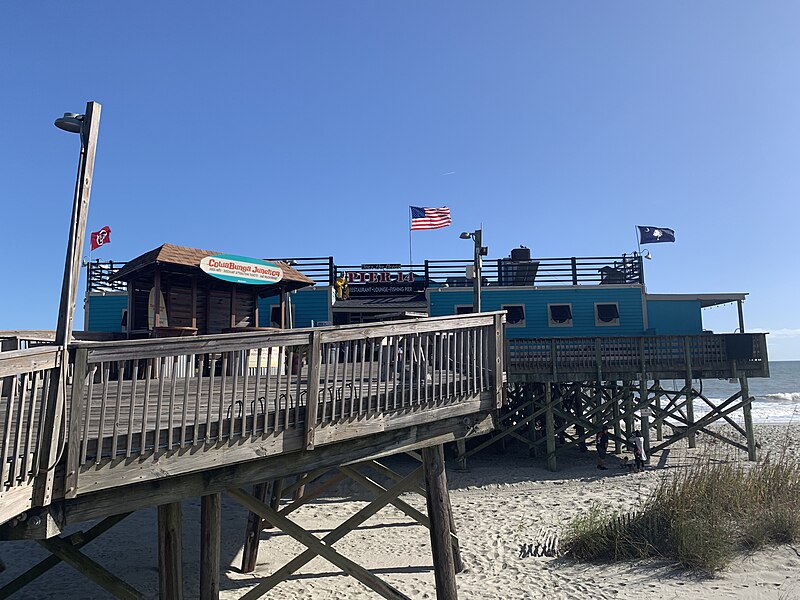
x=601, y=443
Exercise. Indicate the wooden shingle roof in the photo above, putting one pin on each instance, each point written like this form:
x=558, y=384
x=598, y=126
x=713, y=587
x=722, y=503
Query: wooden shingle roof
x=169, y=254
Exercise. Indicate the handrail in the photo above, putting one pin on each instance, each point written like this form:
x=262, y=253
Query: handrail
x=238, y=396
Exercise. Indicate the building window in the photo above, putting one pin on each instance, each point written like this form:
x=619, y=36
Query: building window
x=515, y=315
x=464, y=309
x=559, y=315
x=606, y=314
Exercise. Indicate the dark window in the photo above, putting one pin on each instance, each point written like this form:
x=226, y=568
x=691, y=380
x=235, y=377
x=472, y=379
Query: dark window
x=515, y=314
x=463, y=310
x=275, y=316
x=607, y=313
x=560, y=313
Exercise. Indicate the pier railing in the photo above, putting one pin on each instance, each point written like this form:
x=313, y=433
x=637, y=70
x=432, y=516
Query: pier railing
x=25, y=376
x=707, y=355
x=144, y=409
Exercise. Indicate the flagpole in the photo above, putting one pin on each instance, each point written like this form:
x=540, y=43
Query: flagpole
x=410, y=258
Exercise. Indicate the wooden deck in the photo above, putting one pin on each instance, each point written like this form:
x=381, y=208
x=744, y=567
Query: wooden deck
x=145, y=411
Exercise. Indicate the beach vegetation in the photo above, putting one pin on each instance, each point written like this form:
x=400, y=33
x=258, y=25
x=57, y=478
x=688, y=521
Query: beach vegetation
x=700, y=518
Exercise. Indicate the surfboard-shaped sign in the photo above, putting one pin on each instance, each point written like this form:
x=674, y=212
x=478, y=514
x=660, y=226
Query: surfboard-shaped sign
x=151, y=310
x=241, y=269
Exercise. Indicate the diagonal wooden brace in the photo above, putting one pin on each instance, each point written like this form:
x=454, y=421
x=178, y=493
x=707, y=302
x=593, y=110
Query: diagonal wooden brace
x=90, y=569
x=78, y=540
x=323, y=547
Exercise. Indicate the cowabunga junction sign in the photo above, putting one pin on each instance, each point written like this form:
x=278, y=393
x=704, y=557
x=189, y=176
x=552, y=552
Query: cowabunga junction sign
x=241, y=269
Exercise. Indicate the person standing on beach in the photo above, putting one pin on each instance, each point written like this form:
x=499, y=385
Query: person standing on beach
x=638, y=451
x=601, y=443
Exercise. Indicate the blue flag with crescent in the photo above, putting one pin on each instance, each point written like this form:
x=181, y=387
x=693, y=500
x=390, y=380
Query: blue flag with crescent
x=653, y=235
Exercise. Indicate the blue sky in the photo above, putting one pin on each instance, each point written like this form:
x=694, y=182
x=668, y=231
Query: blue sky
x=308, y=128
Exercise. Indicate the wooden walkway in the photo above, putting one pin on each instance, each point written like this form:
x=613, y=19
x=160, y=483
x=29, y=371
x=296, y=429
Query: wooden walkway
x=127, y=412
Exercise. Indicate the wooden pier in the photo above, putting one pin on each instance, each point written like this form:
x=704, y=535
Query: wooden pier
x=140, y=423
x=563, y=391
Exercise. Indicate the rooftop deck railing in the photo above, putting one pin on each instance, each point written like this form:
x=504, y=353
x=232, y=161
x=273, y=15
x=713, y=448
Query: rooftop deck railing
x=625, y=269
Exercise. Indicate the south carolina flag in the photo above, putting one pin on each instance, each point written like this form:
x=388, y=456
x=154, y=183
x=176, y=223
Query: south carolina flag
x=101, y=237
x=654, y=235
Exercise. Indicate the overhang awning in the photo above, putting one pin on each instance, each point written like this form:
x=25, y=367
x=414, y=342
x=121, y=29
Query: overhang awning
x=705, y=300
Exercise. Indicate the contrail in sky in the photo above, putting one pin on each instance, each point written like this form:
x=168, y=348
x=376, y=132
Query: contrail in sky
x=449, y=173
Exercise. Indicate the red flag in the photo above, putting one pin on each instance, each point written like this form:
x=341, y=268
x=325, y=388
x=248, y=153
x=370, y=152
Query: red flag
x=101, y=237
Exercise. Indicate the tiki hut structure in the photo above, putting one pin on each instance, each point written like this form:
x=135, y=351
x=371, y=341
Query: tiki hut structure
x=169, y=295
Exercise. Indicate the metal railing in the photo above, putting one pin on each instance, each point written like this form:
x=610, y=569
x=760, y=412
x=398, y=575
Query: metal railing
x=98, y=275
x=625, y=269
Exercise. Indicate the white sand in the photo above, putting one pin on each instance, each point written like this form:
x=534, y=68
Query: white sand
x=500, y=504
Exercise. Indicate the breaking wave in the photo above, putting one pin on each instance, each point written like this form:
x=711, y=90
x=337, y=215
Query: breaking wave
x=780, y=398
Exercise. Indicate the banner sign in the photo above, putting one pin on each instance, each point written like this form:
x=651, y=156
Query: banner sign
x=381, y=267
x=241, y=269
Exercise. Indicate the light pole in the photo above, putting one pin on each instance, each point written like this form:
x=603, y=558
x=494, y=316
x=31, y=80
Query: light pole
x=480, y=250
x=86, y=126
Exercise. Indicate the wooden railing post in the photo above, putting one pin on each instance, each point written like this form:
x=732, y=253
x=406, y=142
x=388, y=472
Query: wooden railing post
x=312, y=403
x=496, y=348
x=75, y=418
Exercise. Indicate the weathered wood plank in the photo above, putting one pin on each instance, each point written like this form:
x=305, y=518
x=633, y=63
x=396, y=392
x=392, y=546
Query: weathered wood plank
x=170, y=552
x=210, y=518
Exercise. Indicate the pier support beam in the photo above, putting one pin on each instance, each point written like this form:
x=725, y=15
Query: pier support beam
x=252, y=535
x=748, y=416
x=170, y=560
x=439, y=513
x=210, y=514
x=549, y=425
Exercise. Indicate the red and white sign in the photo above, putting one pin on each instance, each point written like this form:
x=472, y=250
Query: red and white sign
x=101, y=237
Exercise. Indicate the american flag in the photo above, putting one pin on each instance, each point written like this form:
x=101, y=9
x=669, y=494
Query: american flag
x=429, y=218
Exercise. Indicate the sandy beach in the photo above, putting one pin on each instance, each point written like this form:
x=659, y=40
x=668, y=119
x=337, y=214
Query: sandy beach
x=500, y=503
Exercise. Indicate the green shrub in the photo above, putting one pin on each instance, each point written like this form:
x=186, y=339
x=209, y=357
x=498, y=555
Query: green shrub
x=700, y=518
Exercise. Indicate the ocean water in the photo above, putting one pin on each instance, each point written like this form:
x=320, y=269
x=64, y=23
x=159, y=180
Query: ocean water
x=776, y=399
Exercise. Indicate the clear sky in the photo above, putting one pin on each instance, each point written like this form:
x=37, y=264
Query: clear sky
x=308, y=128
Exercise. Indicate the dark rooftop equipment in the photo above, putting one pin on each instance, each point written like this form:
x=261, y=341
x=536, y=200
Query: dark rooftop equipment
x=518, y=269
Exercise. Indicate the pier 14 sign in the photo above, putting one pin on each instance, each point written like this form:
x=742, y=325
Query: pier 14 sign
x=241, y=269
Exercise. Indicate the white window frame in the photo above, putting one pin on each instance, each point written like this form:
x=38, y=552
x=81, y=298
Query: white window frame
x=600, y=323
x=522, y=323
x=552, y=323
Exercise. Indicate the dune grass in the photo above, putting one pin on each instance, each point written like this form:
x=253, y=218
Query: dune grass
x=700, y=518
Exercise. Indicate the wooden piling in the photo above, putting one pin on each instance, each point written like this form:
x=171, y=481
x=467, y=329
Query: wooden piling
x=439, y=513
x=210, y=514
x=550, y=428
x=170, y=561
x=689, y=394
x=255, y=525
x=643, y=400
x=748, y=418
